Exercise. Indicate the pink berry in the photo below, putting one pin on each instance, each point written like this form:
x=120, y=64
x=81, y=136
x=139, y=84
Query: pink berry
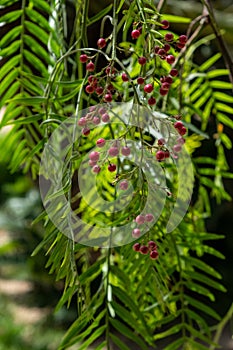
x=89, y=89
x=136, y=233
x=125, y=151
x=124, y=77
x=140, y=219
x=154, y=255
x=83, y=58
x=183, y=39
x=135, y=34
x=151, y=101
x=100, y=142
x=173, y=72
x=160, y=155
x=136, y=247
x=94, y=156
x=182, y=131
x=140, y=80
x=82, y=121
x=166, y=154
x=96, y=120
x=144, y=249
x=99, y=90
x=152, y=245
x=92, y=162
x=165, y=24
x=165, y=86
x=102, y=110
x=101, y=43
x=124, y=185
x=96, y=169
x=161, y=142
x=177, y=148
x=112, y=168
x=90, y=67
x=142, y=60
x=86, y=131
x=149, y=217
x=105, y=118
x=169, y=37
x=113, y=151
x=148, y=88
x=170, y=59
x=108, y=98
x=180, y=140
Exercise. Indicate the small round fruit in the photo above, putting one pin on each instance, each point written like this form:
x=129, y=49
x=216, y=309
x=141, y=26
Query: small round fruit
x=151, y=101
x=101, y=43
x=135, y=34
x=86, y=131
x=105, y=118
x=165, y=86
x=154, y=255
x=167, y=154
x=173, y=72
x=182, y=131
x=161, y=142
x=161, y=52
x=160, y=155
x=83, y=58
x=148, y=88
x=99, y=90
x=96, y=169
x=168, y=80
x=170, y=59
x=136, y=247
x=144, y=249
x=92, y=163
x=140, y=219
x=90, y=67
x=152, y=245
x=113, y=151
x=96, y=120
x=149, y=217
x=125, y=151
x=112, y=168
x=180, y=45
x=89, y=89
x=183, y=39
x=178, y=125
x=124, y=77
x=136, y=233
x=165, y=24
x=140, y=80
x=177, y=148
x=94, y=156
x=82, y=121
x=100, y=142
x=142, y=60
x=163, y=92
x=108, y=98
x=167, y=47
x=169, y=37
x=124, y=185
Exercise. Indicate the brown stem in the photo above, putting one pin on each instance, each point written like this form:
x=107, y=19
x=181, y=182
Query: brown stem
x=161, y=4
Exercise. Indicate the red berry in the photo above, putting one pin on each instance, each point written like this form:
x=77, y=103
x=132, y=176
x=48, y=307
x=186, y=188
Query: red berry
x=167, y=154
x=144, y=249
x=90, y=67
x=124, y=185
x=152, y=245
x=86, y=131
x=140, y=219
x=169, y=37
x=108, y=98
x=168, y=80
x=94, y=156
x=140, y=80
x=177, y=148
x=101, y=43
x=149, y=217
x=100, y=142
x=105, y=117
x=92, y=162
x=182, y=131
x=125, y=151
x=165, y=86
x=112, y=168
x=156, y=49
x=82, y=121
x=83, y=58
x=167, y=47
x=124, y=77
x=180, y=45
x=89, y=89
x=170, y=59
x=102, y=110
x=142, y=60
x=154, y=255
x=165, y=24
x=161, y=52
x=99, y=90
x=96, y=169
x=136, y=247
x=178, y=125
x=110, y=70
x=173, y=72
x=160, y=155
x=113, y=151
x=163, y=92
x=151, y=101
x=135, y=34
x=183, y=39
x=136, y=233
x=92, y=79
x=161, y=142
x=148, y=88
